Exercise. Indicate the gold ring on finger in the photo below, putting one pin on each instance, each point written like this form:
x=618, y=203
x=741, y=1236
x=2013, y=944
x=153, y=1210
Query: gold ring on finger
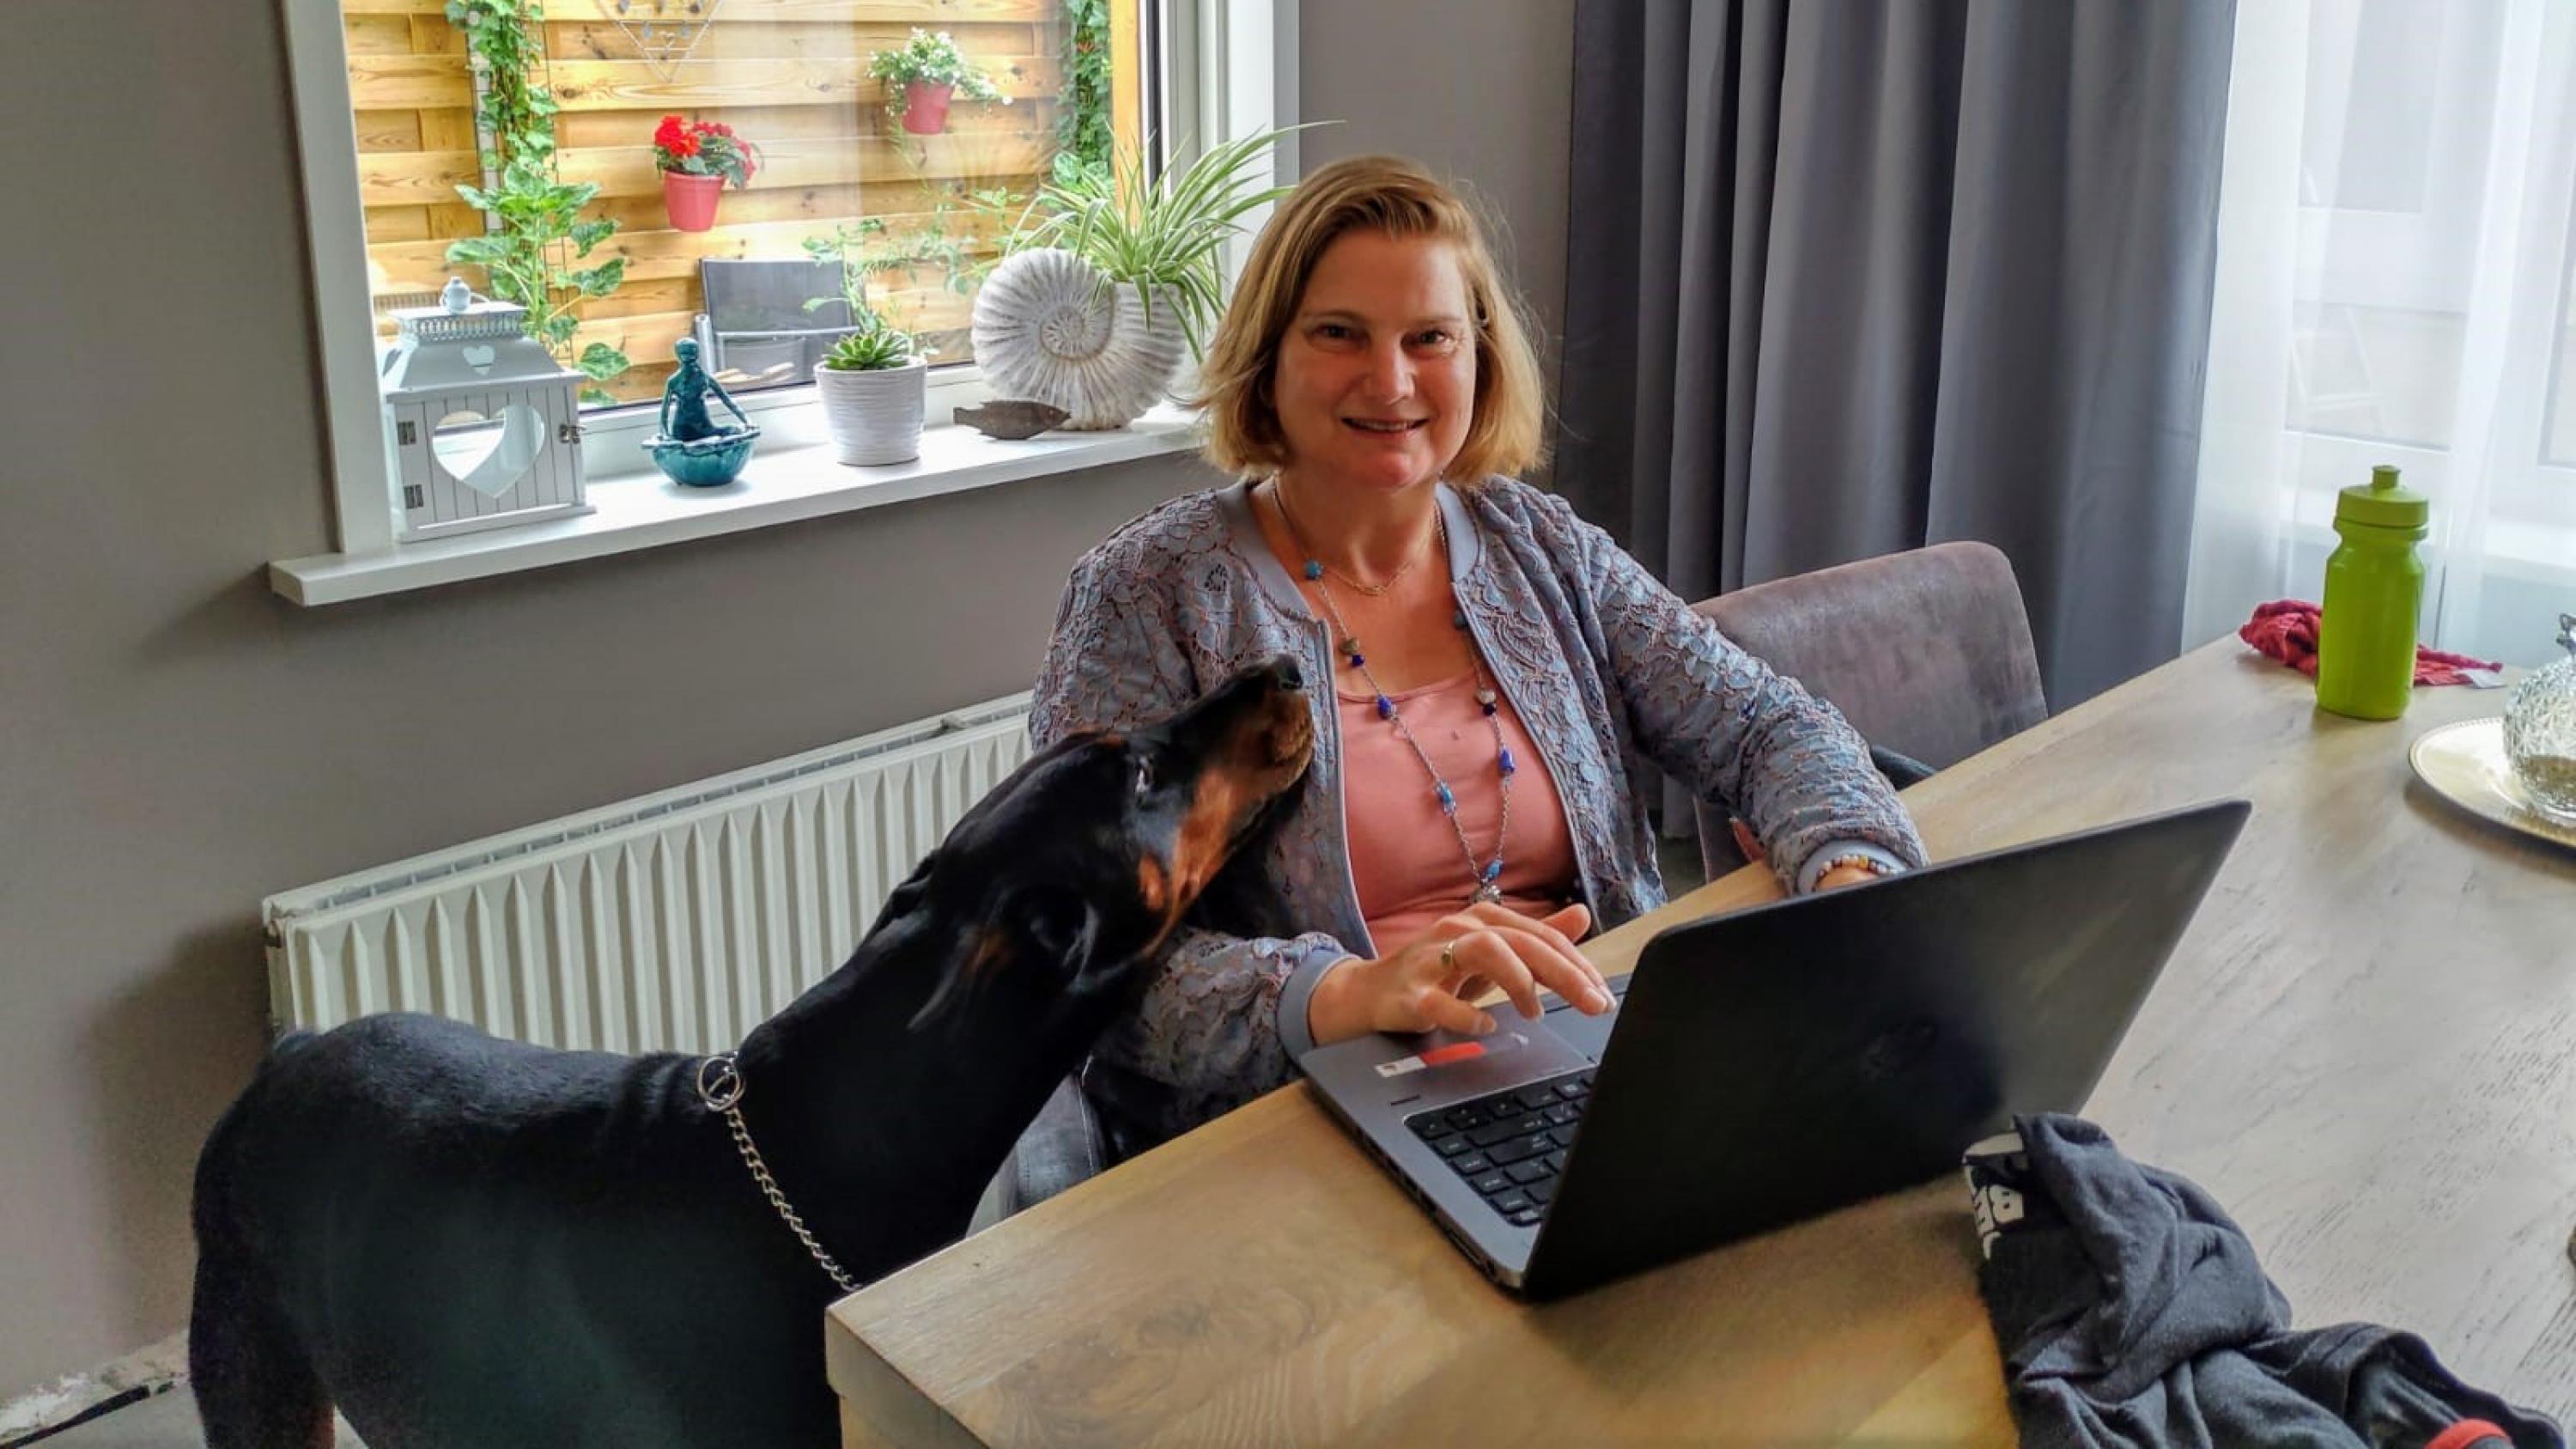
x=1449, y=955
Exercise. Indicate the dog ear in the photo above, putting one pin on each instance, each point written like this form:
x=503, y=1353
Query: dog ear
x=1045, y=925
x=907, y=897
x=970, y=959
x=1061, y=925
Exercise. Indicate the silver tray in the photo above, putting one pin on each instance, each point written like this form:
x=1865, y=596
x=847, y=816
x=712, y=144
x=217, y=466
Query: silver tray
x=2464, y=763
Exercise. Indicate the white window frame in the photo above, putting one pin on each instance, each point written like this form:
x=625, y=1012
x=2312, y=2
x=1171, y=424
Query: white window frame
x=1229, y=70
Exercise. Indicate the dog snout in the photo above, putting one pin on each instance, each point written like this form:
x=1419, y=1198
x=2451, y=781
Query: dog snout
x=1261, y=717
x=1290, y=727
x=1292, y=733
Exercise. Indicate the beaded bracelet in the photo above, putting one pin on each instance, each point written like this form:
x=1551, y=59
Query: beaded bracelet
x=1870, y=863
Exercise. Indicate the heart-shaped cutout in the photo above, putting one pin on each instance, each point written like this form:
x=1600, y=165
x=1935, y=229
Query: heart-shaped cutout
x=488, y=455
x=478, y=358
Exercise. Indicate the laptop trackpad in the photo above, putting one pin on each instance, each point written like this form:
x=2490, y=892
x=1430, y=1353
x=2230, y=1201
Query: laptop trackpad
x=1440, y=1066
x=1589, y=1035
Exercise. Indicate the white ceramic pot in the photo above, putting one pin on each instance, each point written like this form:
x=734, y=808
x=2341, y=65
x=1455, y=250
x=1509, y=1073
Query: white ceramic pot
x=875, y=417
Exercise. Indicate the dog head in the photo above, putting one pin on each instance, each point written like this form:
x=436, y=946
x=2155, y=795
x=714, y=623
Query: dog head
x=1075, y=870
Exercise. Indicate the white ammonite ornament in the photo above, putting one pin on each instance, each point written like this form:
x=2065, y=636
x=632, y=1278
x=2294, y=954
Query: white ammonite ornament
x=1047, y=331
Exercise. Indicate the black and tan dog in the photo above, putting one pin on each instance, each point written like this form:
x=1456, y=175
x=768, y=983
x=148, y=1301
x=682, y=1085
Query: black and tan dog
x=461, y=1241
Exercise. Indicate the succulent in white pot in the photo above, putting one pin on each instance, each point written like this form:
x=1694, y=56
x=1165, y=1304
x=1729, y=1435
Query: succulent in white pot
x=874, y=385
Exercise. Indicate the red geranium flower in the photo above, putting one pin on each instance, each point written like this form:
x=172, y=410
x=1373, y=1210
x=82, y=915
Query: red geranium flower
x=703, y=148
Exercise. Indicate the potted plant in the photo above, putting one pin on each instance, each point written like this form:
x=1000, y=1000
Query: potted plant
x=696, y=159
x=539, y=240
x=1148, y=262
x=923, y=75
x=874, y=384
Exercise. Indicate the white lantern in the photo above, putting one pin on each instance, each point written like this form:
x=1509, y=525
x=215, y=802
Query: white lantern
x=484, y=424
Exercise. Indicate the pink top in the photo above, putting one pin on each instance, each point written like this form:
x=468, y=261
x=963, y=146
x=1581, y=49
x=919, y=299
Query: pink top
x=1404, y=857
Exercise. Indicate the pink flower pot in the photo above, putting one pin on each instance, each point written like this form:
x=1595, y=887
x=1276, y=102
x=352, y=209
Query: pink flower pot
x=925, y=107
x=691, y=200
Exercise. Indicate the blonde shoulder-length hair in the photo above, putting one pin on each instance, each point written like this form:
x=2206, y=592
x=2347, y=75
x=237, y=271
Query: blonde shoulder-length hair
x=1385, y=194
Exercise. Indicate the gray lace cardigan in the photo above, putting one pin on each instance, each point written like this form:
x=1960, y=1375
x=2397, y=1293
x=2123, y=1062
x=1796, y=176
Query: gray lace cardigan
x=1601, y=662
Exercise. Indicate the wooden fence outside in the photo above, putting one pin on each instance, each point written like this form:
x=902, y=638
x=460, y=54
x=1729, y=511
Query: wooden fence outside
x=789, y=75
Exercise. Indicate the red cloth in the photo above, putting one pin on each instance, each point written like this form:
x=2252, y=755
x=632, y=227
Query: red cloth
x=2286, y=629
x=2467, y=1433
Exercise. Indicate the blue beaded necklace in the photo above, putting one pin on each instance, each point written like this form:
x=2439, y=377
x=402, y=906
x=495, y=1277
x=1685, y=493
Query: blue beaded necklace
x=1486, y=870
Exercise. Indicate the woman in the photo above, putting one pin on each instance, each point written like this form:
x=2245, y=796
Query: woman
x=1482, y=665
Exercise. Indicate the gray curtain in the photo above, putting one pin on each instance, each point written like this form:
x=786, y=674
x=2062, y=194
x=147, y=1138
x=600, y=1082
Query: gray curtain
x=1847, y=277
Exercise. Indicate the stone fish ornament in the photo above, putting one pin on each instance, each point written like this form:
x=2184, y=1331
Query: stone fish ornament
x=1046, y=330
x=1012, y=421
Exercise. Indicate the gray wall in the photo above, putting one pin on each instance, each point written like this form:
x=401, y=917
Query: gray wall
x=176, y=742
x=1478, y=90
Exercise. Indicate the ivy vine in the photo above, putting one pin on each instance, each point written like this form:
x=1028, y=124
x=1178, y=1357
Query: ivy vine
x=1083, y=128
x=537, y=234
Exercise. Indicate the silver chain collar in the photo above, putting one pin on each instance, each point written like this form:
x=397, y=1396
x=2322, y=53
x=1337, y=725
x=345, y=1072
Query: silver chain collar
x=720, y=1086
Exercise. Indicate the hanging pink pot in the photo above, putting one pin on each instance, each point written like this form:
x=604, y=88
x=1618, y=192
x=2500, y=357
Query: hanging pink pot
x=925, y=106
x=691, y=200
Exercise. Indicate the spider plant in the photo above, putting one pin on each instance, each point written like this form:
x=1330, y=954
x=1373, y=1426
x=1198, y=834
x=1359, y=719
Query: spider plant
x=1161, y=236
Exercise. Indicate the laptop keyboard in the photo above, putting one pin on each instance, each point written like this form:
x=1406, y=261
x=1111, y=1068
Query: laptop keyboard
x=1511, y=1145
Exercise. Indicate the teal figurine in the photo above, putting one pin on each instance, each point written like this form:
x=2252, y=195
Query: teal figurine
x=692, y=450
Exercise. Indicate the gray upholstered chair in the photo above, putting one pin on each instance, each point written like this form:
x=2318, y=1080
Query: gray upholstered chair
x=1927, y=653
x=769, y=321
x=1063, y=1148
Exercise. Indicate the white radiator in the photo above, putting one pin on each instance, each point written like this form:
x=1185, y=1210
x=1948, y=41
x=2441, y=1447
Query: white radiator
x=673, y=922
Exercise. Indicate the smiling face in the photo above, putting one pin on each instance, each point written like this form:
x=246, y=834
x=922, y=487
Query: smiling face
x=1375, y=385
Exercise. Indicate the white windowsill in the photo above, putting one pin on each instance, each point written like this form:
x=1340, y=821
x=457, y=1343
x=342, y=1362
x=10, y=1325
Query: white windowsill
x=787, y=480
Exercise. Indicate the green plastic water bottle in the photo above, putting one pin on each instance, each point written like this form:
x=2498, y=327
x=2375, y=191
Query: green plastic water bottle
x=2374, y=586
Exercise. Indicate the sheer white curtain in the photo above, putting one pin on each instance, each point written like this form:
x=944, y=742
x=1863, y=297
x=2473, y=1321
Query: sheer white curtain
x=2392, y=286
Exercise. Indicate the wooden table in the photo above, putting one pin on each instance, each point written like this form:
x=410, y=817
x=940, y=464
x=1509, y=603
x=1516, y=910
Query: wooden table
x=2365, y=1047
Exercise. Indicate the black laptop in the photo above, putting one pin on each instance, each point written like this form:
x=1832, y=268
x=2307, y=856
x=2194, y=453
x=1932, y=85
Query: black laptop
x=1783, y=1061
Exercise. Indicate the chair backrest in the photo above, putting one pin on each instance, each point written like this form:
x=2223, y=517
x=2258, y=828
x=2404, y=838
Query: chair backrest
x=1927, y=653
x=758, y=330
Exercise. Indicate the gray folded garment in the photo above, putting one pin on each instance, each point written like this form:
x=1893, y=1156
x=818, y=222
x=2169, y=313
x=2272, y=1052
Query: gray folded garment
x=2132, y=1312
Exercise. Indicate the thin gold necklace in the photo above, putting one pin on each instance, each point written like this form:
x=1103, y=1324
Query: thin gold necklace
x=1315, y=566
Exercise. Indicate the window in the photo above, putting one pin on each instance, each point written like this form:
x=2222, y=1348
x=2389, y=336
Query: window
x=2394, y=270
x=512, y=143
x=846, y=180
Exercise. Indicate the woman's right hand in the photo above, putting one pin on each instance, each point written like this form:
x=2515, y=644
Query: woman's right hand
x=1432, y=980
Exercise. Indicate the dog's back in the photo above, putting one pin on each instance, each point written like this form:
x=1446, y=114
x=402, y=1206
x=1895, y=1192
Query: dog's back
x=402, y=1160
x=253, y=1380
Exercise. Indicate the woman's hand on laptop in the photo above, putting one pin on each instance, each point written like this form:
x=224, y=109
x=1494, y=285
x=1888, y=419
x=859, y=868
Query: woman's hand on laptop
x=1433, y=979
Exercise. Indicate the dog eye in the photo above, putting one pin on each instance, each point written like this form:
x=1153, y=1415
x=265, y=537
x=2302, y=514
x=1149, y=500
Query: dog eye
x=1145, y=775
